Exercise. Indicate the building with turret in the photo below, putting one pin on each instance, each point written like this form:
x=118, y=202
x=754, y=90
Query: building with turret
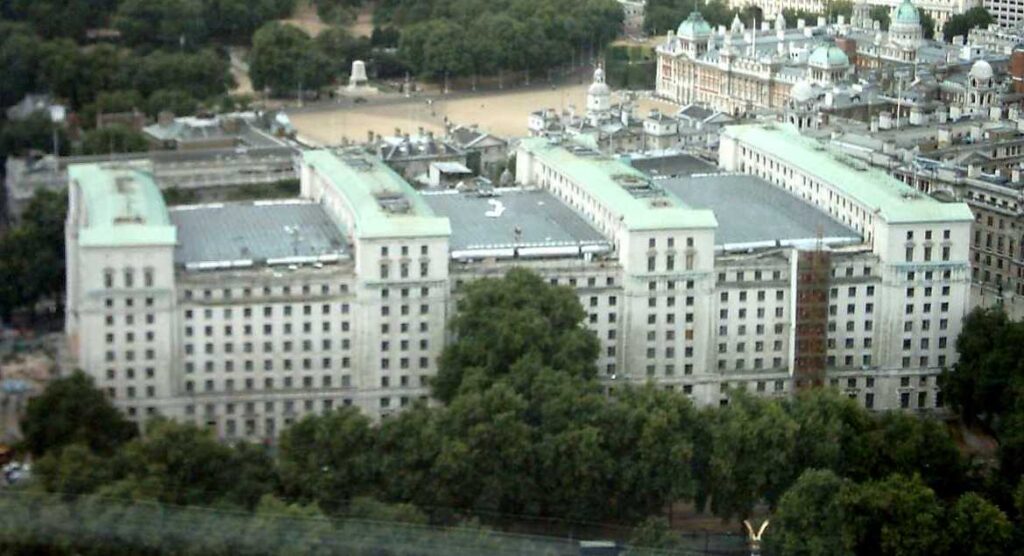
x=939, y=10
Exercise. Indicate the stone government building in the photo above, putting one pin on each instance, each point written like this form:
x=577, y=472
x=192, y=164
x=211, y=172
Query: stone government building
x=788, y=266
x=739, y=70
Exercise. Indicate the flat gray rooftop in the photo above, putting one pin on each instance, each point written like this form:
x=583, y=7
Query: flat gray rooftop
x=751, y=210
x=481, y=223
x=672, y=166
x=261, y=232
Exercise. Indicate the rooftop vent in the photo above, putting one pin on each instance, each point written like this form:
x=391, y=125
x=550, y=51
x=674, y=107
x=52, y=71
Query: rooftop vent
x=358, y=162
x=394, y=203
x=123, y=184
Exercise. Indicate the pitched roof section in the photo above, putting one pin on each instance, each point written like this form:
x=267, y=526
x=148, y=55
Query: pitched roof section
x=639, y=202
x=383, y=204
x=121, y=206
x=877, y=191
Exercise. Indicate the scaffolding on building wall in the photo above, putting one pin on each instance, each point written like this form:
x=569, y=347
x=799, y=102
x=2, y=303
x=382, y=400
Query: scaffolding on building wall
x=814, y=270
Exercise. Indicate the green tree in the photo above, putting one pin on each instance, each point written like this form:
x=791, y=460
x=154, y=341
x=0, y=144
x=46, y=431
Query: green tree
x=42, y=225
x=328, y=458
x=836, y=8
x=253, y=475
x=406, y=448
x=364, y=507
x=20, y=54
x=234, y=21
x=485, y=449
x=753, y=442
x=881, y=15
x=651, y=443
x=653, y=533
x=177, y=102
x=73, y=470
x=792, y=15
x=18, y=266
x=72, y=410
x=113, y=139
x=927, y=24
x=201, y=74
x=989, y=377
x=163, y=23
x=832, y=430
x=112, y=102
x=978, y=528
x=809, y=519
x=181, y=464
x=906, y=444
x=33, y=133
x=284, y=59
x=63, y=18
x=961, y=24
x=518, y=318
x=897, y=516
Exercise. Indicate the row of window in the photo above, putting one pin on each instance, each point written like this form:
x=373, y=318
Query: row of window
x=268, y=291
x=269, y=310
x=670, y=242
x=780, y=295
x=127, y=278
x=268, y=329
x=308, y=382
x=403, y=270
x=306, y=364
x=927, y=255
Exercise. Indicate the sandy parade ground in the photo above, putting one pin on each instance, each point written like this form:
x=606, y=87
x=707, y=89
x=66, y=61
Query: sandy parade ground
x=503, y=113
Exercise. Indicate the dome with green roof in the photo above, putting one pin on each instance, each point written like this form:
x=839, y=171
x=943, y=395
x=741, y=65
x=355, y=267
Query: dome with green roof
x=694, y=27
x=907, y=14
x=828, y=56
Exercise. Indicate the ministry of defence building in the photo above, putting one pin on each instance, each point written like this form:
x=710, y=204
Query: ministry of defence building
x=786, y=267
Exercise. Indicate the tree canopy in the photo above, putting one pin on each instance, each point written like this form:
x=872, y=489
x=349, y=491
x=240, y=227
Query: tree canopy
x=515, y=323
x=961, y=24
x=464, y=37
x=32, y=255
x=72, y=411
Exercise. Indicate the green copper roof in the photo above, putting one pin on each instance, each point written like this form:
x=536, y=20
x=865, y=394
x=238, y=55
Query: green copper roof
x=607, y=180
x=368, y=185
x=907, y=13
x=828, y=56
x=874, y=189
x=694, y=27
x=121, y=206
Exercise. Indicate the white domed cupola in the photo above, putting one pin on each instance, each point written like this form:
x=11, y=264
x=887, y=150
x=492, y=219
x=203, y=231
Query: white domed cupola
x=694, y=33
x=827, y=64
x=906, y=26
x=981, y=74
x=599, y=95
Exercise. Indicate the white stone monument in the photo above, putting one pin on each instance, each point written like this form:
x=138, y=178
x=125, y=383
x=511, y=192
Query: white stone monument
x=358, y=84
x=357, y=78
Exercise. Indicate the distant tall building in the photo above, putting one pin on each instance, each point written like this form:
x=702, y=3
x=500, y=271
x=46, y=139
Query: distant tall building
x=633, y=12
x=939, y=10
x=1007, y=13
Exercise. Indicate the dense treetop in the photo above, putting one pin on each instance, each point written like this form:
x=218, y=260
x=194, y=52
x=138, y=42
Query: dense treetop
x=464, y=37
